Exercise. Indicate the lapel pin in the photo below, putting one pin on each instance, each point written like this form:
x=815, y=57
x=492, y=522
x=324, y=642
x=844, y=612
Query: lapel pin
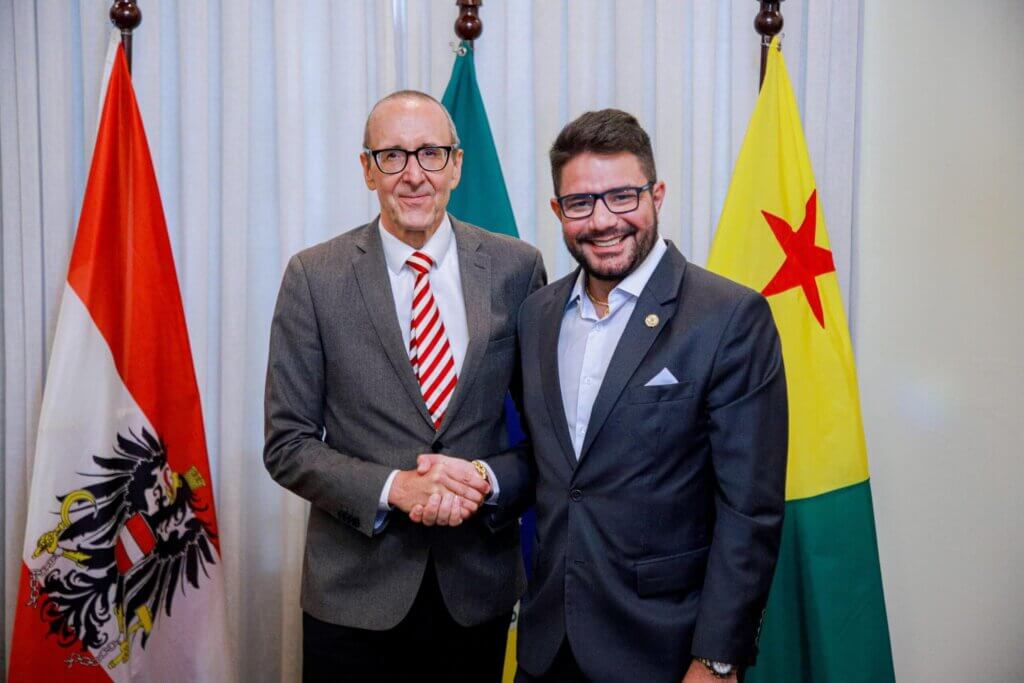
x=651, y=320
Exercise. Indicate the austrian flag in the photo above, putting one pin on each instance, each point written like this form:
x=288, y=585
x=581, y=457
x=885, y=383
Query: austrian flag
x=121, y=570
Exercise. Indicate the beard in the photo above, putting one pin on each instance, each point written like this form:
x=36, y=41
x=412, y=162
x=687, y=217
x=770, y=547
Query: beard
x=614, y=271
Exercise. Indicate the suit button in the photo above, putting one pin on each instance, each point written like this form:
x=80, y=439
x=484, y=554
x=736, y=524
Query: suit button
x=437, y=447
x=575, y=495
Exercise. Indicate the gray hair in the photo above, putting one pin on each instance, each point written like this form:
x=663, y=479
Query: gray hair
x=410, y=95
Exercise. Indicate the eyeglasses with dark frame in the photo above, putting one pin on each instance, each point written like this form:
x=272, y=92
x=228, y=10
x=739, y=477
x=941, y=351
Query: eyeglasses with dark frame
x=616, y=200
x=392, y=160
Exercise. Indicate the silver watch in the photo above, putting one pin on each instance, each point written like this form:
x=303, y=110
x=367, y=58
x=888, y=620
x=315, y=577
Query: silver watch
x=717, y=669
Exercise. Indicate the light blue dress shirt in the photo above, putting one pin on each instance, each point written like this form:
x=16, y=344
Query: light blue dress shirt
x=586, y=342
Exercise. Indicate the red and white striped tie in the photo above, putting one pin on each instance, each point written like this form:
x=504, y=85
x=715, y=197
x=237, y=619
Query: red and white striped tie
x=429, y=350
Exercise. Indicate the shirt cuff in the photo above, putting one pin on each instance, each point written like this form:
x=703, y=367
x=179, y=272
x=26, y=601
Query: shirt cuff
x=492, y=499
x=383, y=508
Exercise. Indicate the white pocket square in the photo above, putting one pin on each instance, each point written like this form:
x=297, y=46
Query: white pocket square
x=663, y=378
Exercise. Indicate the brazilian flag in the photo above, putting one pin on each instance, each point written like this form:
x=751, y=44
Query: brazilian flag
x=826, y=618
x=481, y=197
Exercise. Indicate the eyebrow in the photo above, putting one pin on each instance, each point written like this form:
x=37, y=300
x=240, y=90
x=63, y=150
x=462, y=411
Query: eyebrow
x=425, y=144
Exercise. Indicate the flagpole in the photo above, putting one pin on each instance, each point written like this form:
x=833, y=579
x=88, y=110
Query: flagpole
x=126, y=16
x=468, y=26
x=768, y=23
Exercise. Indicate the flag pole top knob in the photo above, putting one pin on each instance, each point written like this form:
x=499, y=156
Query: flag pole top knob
x=768, y=21
x=125, y=15
x=468, y=26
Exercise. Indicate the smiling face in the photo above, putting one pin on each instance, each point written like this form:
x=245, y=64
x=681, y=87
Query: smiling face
x=412, y=203
x=609, y=246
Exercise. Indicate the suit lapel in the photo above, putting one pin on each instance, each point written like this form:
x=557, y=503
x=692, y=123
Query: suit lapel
x=475, y=271
x=375, y=286
x=659, y=298
x=550, y=327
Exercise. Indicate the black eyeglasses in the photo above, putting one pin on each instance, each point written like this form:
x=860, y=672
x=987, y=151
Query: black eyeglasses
x=394, y=159
x=617, y=200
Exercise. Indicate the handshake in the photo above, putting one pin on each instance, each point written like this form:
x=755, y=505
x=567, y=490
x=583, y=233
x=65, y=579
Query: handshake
x=441, y=490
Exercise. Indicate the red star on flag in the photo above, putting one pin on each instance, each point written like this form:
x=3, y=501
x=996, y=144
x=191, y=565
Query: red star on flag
x=804, y=260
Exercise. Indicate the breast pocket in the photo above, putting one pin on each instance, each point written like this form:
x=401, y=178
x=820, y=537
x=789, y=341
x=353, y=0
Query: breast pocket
x=659, y=394
x=648, y=413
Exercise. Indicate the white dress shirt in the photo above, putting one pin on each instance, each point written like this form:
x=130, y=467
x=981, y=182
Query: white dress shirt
x=446, y=285
x=586, y=342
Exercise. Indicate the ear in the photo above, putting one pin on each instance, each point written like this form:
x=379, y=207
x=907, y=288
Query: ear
x=365, y=161
x=658, y=194
x=456, y=162
x=556, y=209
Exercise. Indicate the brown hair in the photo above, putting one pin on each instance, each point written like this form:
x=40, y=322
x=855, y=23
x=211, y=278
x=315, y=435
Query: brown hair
x=608, y=131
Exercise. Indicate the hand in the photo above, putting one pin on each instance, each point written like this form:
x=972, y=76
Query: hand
x=446, y=510
x=458, y=476
x=437, y=475
x=698, y=673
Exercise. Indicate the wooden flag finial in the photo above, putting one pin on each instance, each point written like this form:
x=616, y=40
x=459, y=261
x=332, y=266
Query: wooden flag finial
x=468, y=26
x=126, y=16
x=768, y=23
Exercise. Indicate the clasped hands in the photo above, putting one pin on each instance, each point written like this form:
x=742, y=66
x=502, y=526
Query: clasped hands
x=441, y=490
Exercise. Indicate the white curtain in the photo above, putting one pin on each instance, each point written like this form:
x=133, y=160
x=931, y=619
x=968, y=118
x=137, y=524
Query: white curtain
x=254, y=112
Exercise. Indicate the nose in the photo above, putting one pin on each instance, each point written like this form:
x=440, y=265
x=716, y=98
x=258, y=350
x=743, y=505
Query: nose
x=602, y=218
x=413, y=174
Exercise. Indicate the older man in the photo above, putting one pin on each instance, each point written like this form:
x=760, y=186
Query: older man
x=655, y=399
x=392, y=348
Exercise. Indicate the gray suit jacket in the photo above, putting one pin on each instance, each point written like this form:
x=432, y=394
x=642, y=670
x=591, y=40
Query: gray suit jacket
x=343, y=409
x=661, y=541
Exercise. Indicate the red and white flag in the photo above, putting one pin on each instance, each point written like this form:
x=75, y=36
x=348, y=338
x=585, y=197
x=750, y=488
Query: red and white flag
x=122, y=575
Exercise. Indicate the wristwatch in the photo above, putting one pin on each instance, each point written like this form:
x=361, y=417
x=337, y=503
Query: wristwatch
x=481, y=470
x=717, y=669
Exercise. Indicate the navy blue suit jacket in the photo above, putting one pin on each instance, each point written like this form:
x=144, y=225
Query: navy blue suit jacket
x=660, y=542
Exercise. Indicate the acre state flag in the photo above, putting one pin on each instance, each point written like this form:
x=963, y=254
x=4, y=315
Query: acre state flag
x=825, y=620
x=121, y=576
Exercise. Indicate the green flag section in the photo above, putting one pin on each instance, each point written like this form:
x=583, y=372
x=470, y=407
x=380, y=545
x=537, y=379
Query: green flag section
x=481, y=197
x=826, y=618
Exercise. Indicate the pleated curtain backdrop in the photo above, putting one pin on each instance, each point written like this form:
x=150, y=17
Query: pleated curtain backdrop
x=254, y=112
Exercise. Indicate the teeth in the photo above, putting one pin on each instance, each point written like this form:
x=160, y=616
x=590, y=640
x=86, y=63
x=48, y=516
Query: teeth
x=608, y=243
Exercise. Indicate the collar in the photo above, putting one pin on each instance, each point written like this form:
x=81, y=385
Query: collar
x=397, y=252
x=632, y=285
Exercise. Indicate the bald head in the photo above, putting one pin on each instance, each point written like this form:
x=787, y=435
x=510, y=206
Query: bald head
x=398, y=98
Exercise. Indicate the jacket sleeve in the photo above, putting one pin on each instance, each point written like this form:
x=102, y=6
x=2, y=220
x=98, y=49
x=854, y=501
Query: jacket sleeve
x=749, y=439
x=514, y=468
x=294, y=452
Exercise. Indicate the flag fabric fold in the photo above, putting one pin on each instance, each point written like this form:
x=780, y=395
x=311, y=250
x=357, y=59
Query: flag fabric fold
x=122, y=575
x=826, y=618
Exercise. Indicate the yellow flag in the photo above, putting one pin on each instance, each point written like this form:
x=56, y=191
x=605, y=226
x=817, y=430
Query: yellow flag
x=772, y=238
